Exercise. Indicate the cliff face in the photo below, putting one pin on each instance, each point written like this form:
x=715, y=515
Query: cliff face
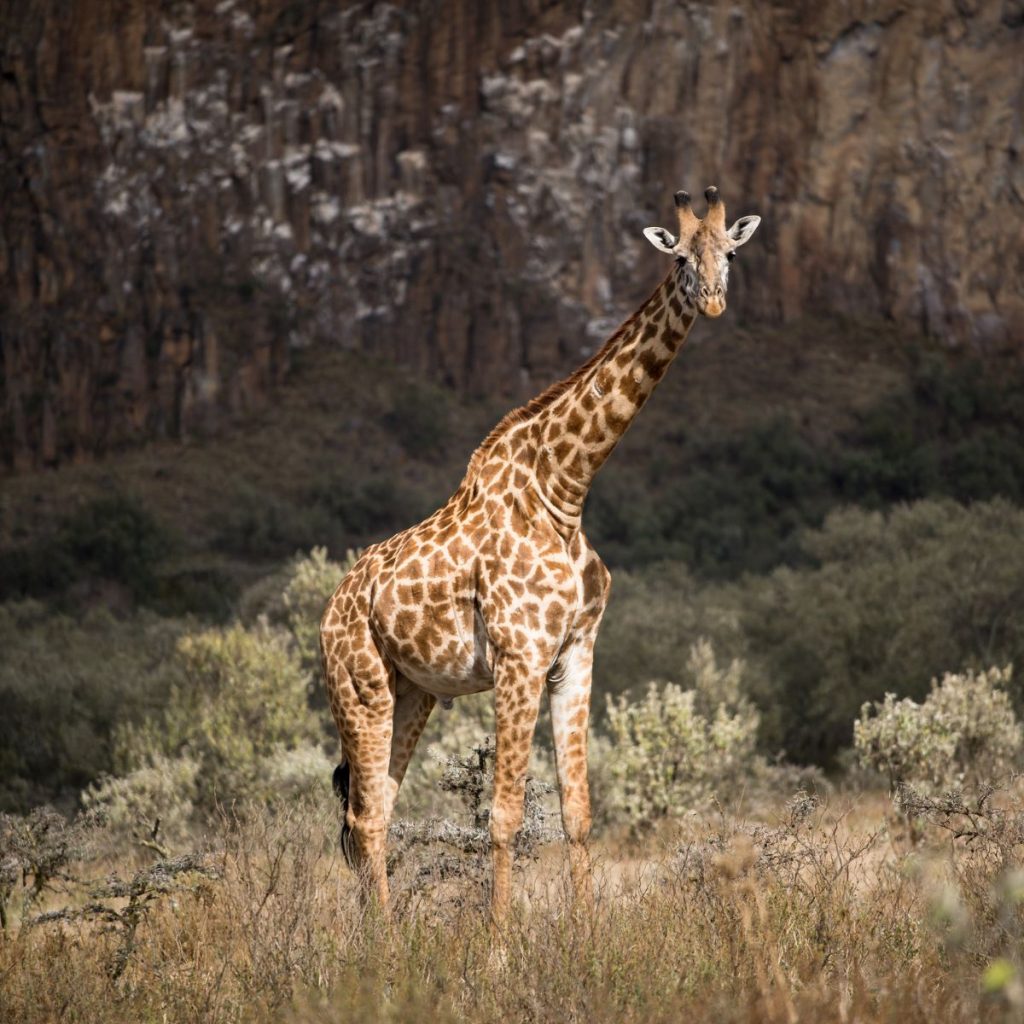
x=190, y=192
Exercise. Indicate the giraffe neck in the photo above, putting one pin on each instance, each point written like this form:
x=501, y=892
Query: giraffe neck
x=572, y=435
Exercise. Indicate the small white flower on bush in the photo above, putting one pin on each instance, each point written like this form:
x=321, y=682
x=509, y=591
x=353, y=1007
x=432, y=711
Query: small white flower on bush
x=676, y=747
x=964, y=731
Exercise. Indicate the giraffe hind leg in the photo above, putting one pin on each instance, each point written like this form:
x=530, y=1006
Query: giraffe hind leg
x=340, y=781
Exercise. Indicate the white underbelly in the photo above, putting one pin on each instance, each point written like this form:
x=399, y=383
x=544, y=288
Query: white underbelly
x=468, y=671
x=450, y=682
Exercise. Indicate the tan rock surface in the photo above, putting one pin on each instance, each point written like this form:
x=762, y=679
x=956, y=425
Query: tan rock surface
x=192, y=191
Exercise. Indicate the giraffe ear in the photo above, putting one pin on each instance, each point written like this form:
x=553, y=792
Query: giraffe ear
x=741, y=231
x=661, y=239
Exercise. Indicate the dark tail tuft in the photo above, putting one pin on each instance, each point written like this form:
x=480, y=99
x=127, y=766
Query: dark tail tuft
x=340, y=782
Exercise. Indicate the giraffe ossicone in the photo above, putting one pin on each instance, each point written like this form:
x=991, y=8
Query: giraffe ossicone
x=500, y=588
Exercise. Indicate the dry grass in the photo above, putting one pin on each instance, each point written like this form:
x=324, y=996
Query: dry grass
x=809, y=914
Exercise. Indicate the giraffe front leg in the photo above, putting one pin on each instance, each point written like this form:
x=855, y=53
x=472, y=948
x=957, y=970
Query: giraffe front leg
x=569, y=694
x=517, y=687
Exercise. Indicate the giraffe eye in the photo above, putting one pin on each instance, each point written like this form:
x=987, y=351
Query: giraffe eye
x=730, y=256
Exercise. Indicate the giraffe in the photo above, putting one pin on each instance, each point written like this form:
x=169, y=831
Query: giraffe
x=500, y=588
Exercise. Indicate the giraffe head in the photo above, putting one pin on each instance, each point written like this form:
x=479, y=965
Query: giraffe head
x=703, y=250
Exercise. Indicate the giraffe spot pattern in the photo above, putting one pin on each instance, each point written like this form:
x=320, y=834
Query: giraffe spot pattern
x=497, y=589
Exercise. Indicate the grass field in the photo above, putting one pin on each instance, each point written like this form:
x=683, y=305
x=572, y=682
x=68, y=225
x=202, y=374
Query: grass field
x=792, y=911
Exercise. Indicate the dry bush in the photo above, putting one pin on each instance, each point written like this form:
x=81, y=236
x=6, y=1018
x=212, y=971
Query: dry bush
x=678, y=748
x=963, y=732
x=38, y=850
x=805, y=917
x=979, y=910
x=427, y=852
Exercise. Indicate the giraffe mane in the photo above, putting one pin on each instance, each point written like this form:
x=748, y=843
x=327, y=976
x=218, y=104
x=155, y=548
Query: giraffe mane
x=542, y=401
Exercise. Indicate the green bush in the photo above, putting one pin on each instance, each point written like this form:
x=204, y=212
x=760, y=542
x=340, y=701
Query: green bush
x=157, y=797
x=262, y=525
x=242, y=703
x=729, y=501
x=964, y=732
x=419, y=418
x=65, y=683
x=111, y=537
x=675, y=747
x=655, y=615
x=362, y=509
x=239, y=724
x=295, y=598
x=890, y=602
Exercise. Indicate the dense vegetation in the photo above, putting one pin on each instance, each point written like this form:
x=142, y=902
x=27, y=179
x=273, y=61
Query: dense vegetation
x=817, y=544
x=843, y=515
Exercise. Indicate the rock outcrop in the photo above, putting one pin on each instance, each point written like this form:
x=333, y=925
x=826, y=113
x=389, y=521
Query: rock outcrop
x=191, y=192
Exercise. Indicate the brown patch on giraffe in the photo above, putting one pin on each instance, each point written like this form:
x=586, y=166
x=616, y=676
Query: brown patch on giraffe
x=563, y=450
x=615, y=422
x=632, y=389
x=554, y=617
x=652, y=365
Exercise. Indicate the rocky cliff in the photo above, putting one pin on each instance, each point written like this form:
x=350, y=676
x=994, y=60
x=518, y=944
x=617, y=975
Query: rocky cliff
x=193, y=191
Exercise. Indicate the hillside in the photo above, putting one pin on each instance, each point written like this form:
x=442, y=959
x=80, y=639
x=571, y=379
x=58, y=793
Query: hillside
x=756, y=431
x=459, y=187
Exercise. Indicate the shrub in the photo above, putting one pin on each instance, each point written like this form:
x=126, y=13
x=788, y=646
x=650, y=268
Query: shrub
x=676, y=747
x=157, y=798
x=295, y=598
x=40, y=846
x=65, y=683
x=242, y=703
x=891, y=602
x=418, y=418
x=449, y=734
x=116, y=538
x=360, y=507
x=964, y=731
x=113, y=538
x=263, y=525
x=655, y=615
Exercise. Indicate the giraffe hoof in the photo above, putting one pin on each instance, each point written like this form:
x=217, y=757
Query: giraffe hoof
x=447, y=703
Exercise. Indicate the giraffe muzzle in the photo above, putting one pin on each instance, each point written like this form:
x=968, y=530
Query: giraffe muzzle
x=711, y=303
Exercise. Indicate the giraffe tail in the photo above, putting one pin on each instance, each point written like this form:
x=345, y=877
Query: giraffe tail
x=340, y=782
